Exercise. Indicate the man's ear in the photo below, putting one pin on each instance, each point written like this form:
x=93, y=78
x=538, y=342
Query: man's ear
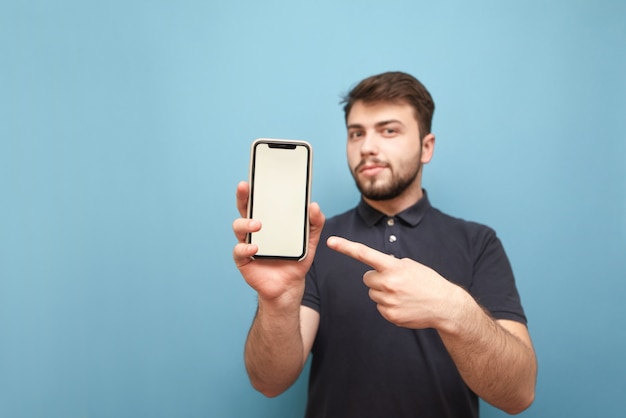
x=428, y=148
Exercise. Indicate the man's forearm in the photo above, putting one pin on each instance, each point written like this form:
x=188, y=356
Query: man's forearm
x=274, y=351
x=497, y=365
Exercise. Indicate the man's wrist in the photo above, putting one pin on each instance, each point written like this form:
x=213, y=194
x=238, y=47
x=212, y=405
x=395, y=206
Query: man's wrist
x=460, y=310
x=287, y=304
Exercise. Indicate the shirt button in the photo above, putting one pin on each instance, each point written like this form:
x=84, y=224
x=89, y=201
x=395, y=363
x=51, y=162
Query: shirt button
x=392, y=238
x=390, y=222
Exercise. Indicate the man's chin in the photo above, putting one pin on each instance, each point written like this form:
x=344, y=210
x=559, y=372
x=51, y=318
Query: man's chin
x=377, y=193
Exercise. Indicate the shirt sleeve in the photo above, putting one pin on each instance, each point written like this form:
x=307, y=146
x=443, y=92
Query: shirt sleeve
x=493, y=285
x=311, y=297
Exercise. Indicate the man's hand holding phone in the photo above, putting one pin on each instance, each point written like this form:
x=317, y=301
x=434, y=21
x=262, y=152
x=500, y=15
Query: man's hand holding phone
x=272, y=278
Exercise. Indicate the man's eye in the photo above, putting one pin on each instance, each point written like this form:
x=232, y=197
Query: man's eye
x=356, y=134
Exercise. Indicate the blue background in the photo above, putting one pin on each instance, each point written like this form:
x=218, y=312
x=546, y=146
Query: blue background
x=126, y=125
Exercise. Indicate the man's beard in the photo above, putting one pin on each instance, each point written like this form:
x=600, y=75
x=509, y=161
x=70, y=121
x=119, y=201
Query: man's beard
x=391, y=189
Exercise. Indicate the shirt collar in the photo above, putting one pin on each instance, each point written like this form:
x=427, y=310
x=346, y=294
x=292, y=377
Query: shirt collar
x=411, y=215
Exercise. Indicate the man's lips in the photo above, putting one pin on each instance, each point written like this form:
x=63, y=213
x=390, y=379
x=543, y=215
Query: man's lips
x=370, y=168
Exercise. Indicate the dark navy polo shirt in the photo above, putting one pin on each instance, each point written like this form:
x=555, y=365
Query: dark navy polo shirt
x=364, y=366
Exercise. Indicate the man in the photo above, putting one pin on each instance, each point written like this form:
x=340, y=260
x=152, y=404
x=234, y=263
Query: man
x=407, y=312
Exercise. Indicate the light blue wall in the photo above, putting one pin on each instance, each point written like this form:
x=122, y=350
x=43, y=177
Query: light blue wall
x=125, y=126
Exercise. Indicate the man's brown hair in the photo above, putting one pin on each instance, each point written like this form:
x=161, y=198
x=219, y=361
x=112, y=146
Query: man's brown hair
x=394, y=87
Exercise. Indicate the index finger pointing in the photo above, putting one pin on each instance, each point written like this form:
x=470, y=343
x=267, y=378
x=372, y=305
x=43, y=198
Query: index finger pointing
x=379, y=261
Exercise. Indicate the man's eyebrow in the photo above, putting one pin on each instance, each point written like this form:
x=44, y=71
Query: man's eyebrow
x=387, y=122
x=377, y=125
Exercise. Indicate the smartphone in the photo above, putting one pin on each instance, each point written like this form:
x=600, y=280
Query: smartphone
x=280, y=188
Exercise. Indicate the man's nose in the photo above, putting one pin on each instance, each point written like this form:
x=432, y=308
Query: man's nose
x=370, y=144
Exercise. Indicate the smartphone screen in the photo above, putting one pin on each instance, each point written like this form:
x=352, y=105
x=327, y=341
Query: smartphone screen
x=280, y=183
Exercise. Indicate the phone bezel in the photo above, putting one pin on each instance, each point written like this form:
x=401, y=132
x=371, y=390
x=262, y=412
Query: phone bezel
x=282, y=143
